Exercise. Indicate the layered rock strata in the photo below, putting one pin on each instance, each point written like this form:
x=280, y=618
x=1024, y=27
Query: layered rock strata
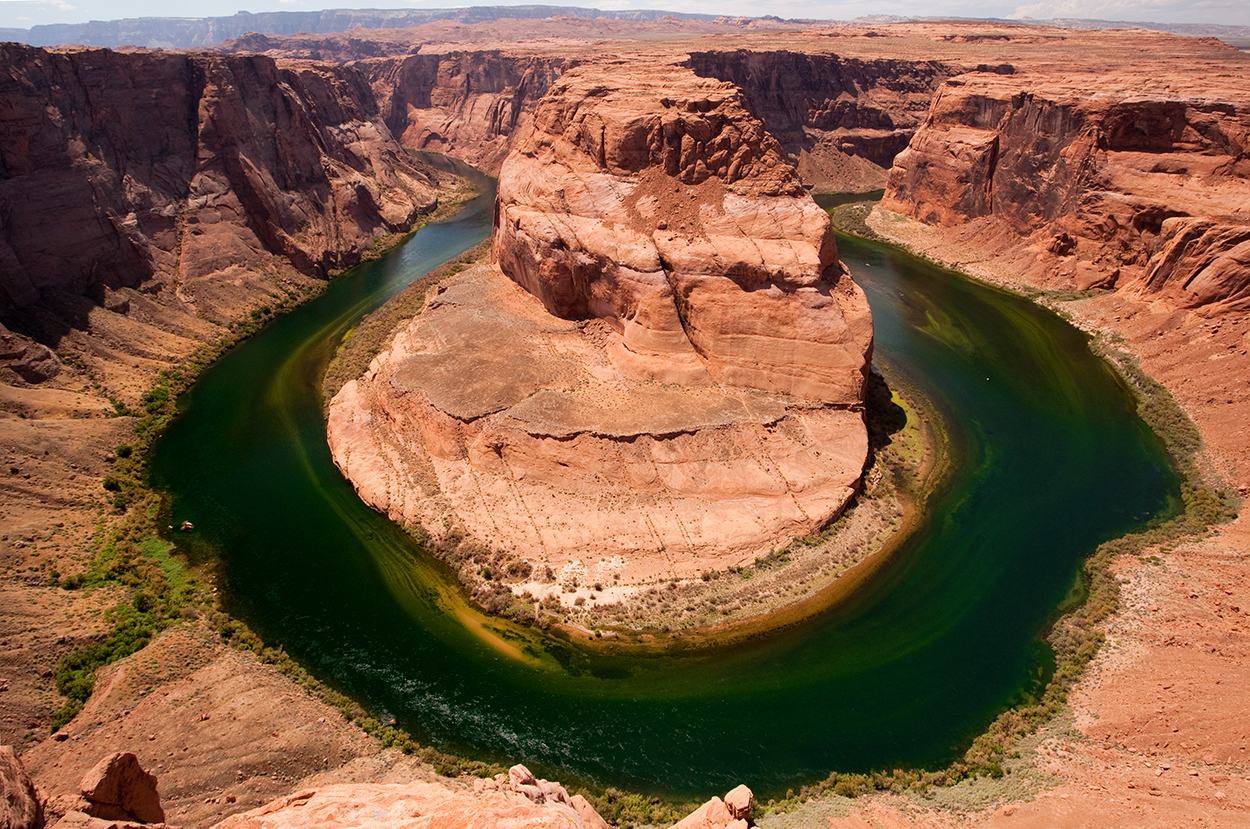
x=469, y=104
x=1138, y=185
x=655, y=202
x=188, y=169
x=840, y=120
x=679, y=385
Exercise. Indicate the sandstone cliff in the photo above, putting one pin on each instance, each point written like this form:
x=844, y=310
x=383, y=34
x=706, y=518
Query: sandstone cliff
x=468, y=104
x=678, y=386
x=841, y=120
x=164, y=190
x=1138, y=185
x=657, y=203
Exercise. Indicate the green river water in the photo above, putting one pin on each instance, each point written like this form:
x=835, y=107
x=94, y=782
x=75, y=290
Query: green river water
x=1048, y=460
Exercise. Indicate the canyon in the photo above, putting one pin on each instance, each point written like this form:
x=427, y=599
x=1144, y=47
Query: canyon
x=1107, y=169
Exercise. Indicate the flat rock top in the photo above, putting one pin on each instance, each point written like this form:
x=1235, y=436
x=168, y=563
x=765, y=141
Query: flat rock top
x=485, y=346
x=482, y=346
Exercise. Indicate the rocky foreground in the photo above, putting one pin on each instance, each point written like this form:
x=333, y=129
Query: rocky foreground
x=117, y=793
x=672, y=379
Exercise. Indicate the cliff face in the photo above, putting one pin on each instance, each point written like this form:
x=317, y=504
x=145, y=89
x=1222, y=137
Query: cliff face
x=678, y=386
x=1137, y=186
x=839, y=119
x=468, y=104
x=657, y=203
x=154, y=170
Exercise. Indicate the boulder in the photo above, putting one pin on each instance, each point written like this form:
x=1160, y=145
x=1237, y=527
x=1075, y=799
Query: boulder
x=739, y=801
x=118, y=788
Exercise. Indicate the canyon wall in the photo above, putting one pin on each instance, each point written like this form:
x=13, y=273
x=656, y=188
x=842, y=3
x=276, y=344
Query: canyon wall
x=1138, y=185
x=466, y=104
x=154, y=170
x=149, y=197
x=840, y=120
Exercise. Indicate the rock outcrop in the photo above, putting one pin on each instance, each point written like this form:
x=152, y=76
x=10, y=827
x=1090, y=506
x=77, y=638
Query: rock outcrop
x=680, y=384
x=517, y=800
x=521, y=780
x=1139, y=185
x=117, y=788
x=19, y=802
x=115, y=792
x=654, y=201
x=734, y=812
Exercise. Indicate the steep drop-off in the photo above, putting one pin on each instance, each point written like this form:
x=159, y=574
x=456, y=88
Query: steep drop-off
x=678, y=387
x=177, y=191
x=1140, y=185
x=467, y=104
x=840, y=120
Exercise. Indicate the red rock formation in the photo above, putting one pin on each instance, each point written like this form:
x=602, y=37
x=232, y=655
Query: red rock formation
x=19, y=802
x=117, y=788
x=687, y=394
x=408, y=806
x=734, y=812
x=841, y=120
x=468, y=104
x=156, y=170
x=654, y=201
x=1136, y=185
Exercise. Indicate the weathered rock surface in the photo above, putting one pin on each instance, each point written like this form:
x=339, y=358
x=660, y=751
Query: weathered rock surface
x=491, y=415
x=682, y=387
x=469, y=104
x=160, y=170
x=117, y=788
x=19, y=802
x=734, y=812
x=408, y=806
x=521, y=780
x=840, y=120
x=1138, y=185
x=655, y=202
x=25, y=361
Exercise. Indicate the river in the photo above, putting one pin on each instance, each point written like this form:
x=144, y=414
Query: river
x=1049, y=459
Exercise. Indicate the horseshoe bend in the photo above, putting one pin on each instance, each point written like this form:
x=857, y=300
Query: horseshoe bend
x=657, y=376
x=663, y=372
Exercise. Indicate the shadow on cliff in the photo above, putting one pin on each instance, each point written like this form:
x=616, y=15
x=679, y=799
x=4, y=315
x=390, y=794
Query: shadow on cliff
x=883, y=417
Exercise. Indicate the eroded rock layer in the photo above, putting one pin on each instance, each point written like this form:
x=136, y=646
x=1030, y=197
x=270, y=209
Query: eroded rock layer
x=188, y=172
x=841, y=120
x=654, y=201
x=1134, y=184
x=679, y=385
x=490, y=415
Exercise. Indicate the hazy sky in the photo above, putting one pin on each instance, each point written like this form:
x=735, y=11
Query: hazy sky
x=26, y=13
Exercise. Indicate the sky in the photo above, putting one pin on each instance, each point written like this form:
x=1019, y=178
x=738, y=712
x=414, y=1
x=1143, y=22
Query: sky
x=26, y=13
